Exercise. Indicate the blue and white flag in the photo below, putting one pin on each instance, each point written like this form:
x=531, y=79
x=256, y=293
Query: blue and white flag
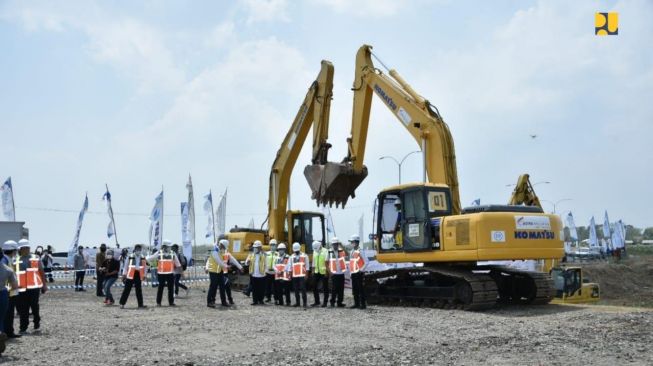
x=572, y=227
x=208, y=210
x=7, y=197
x=622, y=229
x=361, y=228
x=186, y=236
x=606, y=226
x=75, y=243
x=617, y=237
x=221, y=215
x=156, y=222
x=111, y=228
x=331, y=231
x=476, y=202
x=594, y=240
x=191, y=209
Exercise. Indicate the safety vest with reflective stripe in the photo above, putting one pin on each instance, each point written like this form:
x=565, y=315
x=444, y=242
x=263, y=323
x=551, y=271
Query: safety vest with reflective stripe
x=338, y=263
x=212, y=265
x=32, y=273
x=356, y=262
x=166, y=264
x=280, y=268
x=298, y=268
x=132, y=269
x=21, y=276
x=251, y=259
x=270, y=259
x=226, y=257
x=319, y=261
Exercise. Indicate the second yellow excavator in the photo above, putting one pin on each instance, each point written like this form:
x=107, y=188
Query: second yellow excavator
x=423, y=223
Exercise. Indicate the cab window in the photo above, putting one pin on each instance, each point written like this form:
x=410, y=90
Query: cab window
x=389, y=223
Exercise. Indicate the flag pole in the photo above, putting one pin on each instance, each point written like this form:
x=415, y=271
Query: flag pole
x=162, y=211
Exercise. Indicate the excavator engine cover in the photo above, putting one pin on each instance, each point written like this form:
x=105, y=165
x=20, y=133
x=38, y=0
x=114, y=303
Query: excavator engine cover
x=333, y=182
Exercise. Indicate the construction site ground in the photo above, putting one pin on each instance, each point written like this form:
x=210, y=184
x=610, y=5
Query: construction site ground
x=79, y=330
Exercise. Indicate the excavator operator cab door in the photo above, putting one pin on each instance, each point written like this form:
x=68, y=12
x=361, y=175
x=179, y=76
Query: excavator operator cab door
x=306, y=227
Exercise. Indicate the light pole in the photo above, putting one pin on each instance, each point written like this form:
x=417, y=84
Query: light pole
x=399, y=162
x=557, y=202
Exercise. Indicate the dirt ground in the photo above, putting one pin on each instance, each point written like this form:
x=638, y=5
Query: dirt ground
x=627, y=282
x=79, y=330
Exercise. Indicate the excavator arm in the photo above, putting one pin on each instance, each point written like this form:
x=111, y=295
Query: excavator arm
x=314, y=112
x=524, y=194
x=335, y=183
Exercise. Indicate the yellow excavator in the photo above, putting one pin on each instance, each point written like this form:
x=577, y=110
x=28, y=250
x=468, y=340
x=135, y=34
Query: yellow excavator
x=569, y=282
x=423, y=223
x=291, y=226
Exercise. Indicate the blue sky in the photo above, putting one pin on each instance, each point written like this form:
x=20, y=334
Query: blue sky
x=139, y=94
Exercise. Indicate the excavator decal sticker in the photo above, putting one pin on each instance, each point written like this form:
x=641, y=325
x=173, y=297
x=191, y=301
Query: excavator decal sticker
x=385, y=97
x=549, y=235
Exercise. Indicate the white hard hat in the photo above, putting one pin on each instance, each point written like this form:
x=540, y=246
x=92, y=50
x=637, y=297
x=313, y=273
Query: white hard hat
x=257, y=244
x=10, y=245
x=335, y=240
x=23, y=243
x=296, y=247
x=316, y=245
x=166, y=243
x=355, y=238
x=281, y=246
x=224, y=242
x=397, y=202
x=273, y=242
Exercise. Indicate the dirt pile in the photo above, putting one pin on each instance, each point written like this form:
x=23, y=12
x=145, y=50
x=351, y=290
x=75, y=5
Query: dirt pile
x=628, y=282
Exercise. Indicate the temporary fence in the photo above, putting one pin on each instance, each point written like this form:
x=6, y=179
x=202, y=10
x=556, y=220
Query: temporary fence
x=120, y=284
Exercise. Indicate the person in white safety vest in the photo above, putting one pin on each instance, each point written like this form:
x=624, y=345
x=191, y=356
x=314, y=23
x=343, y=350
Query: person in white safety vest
x=167, y=261
x=337, y=268
x=31, y=268
x=281, y=277
x=270, y=258
x=229, y=261
x=133, y=274
x=357, y=263
x=256, y=262
x=298, y=266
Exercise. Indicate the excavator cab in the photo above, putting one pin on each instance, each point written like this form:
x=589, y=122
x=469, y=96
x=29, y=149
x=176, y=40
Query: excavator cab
x=305, y=227
x=409, y=217
x=572, y=288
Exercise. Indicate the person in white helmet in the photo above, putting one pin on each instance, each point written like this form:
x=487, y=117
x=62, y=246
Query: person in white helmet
x=319, y=273
x=357, y=263
x=281, y=277
x=337, y=269
x=298, y=266
x=256, y=263
x=167, y=261
x=9, y=249
x=214, y=265
x=229, y=261
x=35, y=284
x=270, y=258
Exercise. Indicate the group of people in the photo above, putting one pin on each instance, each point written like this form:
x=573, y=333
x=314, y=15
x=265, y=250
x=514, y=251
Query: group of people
x=22, y=280
x=274, y=273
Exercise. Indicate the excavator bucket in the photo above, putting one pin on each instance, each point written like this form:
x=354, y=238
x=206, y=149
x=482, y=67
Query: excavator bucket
x=333, y=182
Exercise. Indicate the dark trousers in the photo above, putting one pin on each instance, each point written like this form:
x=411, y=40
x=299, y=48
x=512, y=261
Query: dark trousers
x=136, y=283
x=79, y=280
x=100, y=284
x=281, y=290
x=178, y=283
x=324, y=280
x=299, y=285
x=165, y=280
x=217, y=281
x=9, y=315
x=29, y=300
x=258, y=289
x=357, y=289
x=227, y=287
x=269, y=286
x=48, y=274
x=338, y=282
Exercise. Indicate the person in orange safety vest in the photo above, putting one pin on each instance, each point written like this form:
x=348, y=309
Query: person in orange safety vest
x=357, y=263
x=337, y=269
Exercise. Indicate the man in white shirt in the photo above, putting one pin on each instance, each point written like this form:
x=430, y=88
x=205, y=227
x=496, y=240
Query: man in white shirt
x=257, y=263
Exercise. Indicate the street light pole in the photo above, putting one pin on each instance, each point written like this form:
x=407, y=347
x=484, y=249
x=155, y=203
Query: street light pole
x=555, y=204
x=399, y=163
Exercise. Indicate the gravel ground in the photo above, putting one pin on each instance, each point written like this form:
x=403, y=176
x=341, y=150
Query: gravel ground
x=79, y=330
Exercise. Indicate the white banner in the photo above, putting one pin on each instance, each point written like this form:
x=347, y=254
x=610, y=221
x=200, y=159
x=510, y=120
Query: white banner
x=594, y=241
x=75, y=243
x=572, y=227
x=111, y=228
x=617, y=238
x=606, y=226
x=360, y=228
x=221, y=215
x=186, y=238
x=156, y=222
x=7, y=197
x=208, y=210
x=191, y=209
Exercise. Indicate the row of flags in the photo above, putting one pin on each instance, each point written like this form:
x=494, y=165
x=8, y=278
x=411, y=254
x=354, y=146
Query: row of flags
x=614, y=235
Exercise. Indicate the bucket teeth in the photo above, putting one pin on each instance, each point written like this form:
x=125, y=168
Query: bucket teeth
x=333, y=183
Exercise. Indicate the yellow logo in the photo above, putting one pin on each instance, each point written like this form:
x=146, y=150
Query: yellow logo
x=606, y=24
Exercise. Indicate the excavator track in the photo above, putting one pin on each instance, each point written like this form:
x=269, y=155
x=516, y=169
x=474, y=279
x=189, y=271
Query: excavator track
x=474, y=289
x=439, y=287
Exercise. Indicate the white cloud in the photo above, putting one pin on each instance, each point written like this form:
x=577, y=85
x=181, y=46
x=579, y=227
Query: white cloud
x=364, y=8
x=266, y=10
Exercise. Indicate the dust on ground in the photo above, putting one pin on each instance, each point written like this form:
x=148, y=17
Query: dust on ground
x=79, y=330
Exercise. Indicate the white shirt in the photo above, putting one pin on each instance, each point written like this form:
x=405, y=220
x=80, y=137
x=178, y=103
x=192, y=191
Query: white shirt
x=294, y=258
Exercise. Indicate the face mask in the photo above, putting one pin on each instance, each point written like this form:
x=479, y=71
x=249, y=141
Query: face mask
x=257, y=250
x=137, y=252
x=281, y=251
x=297, y=252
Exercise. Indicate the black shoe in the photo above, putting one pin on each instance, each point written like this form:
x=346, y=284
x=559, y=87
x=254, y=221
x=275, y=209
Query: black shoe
x=211, y=305
x=231, y=301
x=295, y=306
x=333, y=305
x=142, y=307
x=82, y=290
x=354, y=306
x=341, y=305
x=287, y=304
x=363, y=307
x=254, y=303
x=261, y=303
x=324, y=305
x=268, y=300
x=14, y=335
x=172, y=305
x=315, y=304
x=305, y=306
x=246, y=293
x=224, y=304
